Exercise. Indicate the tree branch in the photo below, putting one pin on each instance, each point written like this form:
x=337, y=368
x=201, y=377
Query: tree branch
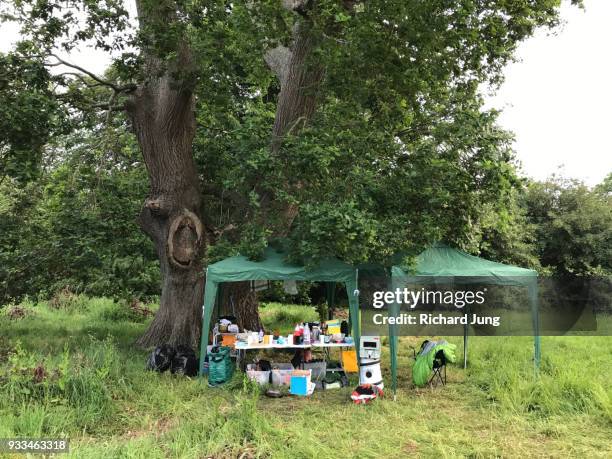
x=278, y=60
x=107, y=106
x=418, y=129
x=82, y=79
x=111, y=102
x=102, y=81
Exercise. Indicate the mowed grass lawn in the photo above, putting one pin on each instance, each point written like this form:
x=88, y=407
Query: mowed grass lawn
x=72, y=371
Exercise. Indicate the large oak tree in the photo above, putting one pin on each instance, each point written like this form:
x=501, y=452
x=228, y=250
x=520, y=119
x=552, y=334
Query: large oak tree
x=346, y=127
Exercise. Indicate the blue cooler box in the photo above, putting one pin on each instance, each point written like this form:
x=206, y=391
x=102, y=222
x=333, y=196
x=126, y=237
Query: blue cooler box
x=299, y=382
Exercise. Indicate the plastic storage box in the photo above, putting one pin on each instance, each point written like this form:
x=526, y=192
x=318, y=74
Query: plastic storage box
x=260, y=377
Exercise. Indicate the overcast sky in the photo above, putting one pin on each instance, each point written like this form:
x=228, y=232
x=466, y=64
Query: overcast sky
x=556, y=99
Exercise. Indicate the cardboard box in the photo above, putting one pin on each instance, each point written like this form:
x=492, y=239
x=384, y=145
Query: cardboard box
x=300, y=383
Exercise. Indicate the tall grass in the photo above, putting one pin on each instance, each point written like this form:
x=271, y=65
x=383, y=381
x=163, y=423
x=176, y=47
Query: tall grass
x=73, y=371
x=283, y=317
x=73, y=391
x=573, y=376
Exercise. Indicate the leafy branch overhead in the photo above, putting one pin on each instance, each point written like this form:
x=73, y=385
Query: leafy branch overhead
x=352, y=128
x=392, y=73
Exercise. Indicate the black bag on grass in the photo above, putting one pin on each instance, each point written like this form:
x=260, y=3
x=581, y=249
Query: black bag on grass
x=161, y=358
x=184, y=362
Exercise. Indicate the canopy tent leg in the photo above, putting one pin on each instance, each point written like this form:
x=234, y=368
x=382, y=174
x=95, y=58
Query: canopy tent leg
x=393, y=344
x=394, y=310
x=465, y=340
x=330, y=296
x=535, y=316
x=353, y=299
x=210, y=295
x=465, y=346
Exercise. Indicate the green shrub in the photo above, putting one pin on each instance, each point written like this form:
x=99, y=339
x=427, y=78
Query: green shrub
x=16, y=312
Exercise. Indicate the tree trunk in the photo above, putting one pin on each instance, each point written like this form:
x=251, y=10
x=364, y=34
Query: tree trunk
x=241, y=302
x=163, y=119
x=300, y=80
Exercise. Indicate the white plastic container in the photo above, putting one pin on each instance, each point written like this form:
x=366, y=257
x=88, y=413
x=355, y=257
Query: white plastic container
x=260, y=377
x=281, y=377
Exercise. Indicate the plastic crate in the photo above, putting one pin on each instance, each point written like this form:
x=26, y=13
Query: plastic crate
x=318, y=370
x=260, y=377
x=281, y=377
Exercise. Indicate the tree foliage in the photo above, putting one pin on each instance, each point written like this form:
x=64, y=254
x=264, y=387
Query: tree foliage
x=74, y=226
x=395, y=153
x=573, y=226
x=399, y=152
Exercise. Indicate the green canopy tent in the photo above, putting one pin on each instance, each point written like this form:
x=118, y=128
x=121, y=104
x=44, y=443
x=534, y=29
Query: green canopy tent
x=274, y=266
x=447, y=262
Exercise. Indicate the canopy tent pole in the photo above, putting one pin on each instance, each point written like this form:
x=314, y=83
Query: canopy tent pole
x=465, y=340
x=535, y=315
x=210, y=294
x=330, y=296
x=394, y=308
x=393, y=344
x=465, y=346
x=352, y=293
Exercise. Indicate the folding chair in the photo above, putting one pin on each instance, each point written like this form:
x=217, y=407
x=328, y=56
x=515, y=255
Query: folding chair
x=439, y=365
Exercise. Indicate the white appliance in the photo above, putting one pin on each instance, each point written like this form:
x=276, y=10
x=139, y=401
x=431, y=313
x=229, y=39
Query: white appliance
x=369, y=347
x=369, y=361
x=369, y=372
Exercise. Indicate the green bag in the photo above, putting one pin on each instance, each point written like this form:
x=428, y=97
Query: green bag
x=220, y=366
x=423, y=366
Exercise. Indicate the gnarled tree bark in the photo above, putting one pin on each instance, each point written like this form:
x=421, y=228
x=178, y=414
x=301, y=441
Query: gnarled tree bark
x=164, y=123
x=162, y=113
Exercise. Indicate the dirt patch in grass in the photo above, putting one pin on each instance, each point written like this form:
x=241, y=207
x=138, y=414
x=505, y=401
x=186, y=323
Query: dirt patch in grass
x=156, y=429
